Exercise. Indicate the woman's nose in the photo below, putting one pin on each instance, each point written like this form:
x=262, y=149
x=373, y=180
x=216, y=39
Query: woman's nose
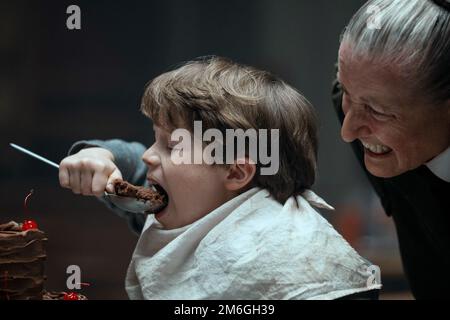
x=354, y=126
x=151, y=158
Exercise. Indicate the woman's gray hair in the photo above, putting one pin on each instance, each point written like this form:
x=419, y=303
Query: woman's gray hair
x=411, y=34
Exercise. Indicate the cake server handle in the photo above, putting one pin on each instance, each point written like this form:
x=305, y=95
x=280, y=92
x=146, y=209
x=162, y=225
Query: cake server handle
x=124, y=203
x=34, y=155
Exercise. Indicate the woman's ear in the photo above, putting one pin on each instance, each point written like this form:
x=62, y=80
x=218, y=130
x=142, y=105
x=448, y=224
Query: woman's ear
x=240, y=174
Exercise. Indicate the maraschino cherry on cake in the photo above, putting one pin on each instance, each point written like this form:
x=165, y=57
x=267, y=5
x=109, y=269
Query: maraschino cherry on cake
x=22, y=256
x=22, y=263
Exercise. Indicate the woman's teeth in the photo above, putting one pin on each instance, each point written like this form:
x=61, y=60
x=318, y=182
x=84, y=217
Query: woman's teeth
x=376, y=148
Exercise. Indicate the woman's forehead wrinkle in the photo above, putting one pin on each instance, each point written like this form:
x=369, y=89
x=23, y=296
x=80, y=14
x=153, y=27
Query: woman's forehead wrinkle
x=368, y=83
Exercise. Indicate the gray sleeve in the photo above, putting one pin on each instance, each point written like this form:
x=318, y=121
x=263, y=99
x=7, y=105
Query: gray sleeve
x=127, y=157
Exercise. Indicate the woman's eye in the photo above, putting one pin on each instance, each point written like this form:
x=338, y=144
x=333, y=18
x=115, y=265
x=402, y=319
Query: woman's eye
x=376, y=113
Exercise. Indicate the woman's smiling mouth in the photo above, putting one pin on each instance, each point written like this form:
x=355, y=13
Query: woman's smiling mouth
x=376, y=149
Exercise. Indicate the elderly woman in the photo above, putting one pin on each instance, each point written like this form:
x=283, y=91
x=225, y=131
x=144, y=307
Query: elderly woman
x=393, y=97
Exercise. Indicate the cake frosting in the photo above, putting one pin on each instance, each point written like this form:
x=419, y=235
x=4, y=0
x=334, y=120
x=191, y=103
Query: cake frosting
x=22, y=256
x=22, y=265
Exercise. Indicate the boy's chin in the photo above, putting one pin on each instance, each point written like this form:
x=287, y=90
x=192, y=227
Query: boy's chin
x=165, y=218
x=161, y=214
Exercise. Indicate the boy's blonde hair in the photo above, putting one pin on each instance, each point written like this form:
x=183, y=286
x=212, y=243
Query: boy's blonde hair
x=226, y=95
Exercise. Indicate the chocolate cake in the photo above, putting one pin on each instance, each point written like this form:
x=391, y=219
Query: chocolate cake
x=22, y=255
x=126, y=189
x=59, y=296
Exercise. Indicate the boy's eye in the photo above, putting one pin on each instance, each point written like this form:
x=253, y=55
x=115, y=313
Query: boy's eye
x=172, y=144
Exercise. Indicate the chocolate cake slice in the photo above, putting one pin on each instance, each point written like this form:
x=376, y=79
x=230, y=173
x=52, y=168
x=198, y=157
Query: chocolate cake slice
x=157, y=196
x=22, y=255
x=53, y=295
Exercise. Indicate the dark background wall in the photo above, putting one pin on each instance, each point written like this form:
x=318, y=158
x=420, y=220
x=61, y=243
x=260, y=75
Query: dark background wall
x=58, y=86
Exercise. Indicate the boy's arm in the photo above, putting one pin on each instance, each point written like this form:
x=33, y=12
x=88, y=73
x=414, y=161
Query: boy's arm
x=127, y=157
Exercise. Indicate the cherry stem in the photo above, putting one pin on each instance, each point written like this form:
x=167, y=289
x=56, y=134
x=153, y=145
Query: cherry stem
x=26, y=200
x=84, y=284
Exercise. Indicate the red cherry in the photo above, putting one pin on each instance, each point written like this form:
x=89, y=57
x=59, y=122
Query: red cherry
x=29, y=224
x=70, y=296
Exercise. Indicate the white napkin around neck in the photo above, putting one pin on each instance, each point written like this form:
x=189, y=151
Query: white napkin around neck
x=251, y=247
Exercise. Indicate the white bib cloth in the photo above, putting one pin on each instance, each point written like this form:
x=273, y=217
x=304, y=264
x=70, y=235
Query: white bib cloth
x=251, y=247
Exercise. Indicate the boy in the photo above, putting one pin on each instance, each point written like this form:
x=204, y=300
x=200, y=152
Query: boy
x=238, y=224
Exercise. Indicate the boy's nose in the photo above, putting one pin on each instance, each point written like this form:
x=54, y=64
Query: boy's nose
x=354, y=126
x=151, y=158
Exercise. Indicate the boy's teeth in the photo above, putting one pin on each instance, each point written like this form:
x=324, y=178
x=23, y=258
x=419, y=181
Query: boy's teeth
x=376, y=148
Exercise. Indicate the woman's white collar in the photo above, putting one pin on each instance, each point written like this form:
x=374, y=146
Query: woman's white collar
x=440, y=165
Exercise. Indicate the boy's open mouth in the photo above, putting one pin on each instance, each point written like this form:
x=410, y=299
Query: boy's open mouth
x=164, y=197
x=155, y=194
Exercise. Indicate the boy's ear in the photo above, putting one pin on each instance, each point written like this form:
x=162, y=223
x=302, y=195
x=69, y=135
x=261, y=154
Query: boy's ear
x=240, y=174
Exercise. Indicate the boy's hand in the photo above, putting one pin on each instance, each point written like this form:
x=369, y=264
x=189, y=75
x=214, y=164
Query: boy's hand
x=90, y=172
